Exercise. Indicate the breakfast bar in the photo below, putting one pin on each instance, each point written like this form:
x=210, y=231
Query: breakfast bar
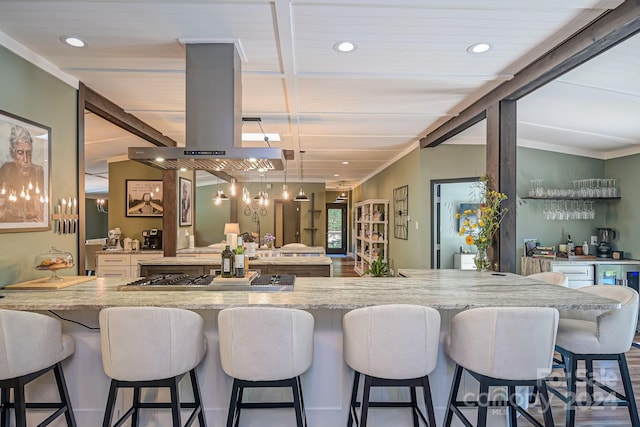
x=327, y=384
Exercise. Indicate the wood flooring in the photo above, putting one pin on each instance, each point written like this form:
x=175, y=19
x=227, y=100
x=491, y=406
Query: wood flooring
x=587, y=417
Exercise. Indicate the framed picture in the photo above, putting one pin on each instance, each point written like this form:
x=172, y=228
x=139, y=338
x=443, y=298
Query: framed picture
x=186, y=202
x=401, y=212
x=473, y=217
x=144, y=198
x=25, y=172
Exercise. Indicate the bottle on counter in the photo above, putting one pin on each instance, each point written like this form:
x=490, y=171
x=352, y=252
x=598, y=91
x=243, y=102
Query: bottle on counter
x=571, y=248
x=239, y=261
x=227, y=262
x=585, y=248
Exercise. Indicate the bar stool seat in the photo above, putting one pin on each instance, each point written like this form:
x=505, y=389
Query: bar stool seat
x=152, y=347
x=392, y=346
x=594, y=335
x=492, y=346
x=265, y=347
x=31, y=345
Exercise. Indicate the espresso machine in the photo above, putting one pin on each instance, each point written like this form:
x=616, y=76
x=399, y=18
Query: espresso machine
x=605, y=236
x=152, y=239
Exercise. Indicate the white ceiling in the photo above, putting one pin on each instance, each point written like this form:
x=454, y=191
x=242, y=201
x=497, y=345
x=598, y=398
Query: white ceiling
x=409, y=72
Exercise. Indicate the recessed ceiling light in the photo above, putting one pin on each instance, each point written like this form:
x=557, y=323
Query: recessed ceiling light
x=344, y=46
x=183, y=169
x=335, y=174
x=479, y=48
x=345, y=163
x=73, y=41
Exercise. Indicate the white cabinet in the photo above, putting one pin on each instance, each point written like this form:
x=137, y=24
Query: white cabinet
x=464, y=261
x=579, y=274
x=121, y=265
x=370, y=232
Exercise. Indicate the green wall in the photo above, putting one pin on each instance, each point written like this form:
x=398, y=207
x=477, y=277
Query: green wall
x=119, y=173
x=96, y=223
x=557, y=170
x=29, y=92
x=416, y=170
x=623, y=214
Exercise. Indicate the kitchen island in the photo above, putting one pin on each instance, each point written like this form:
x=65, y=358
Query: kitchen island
x=327, y=384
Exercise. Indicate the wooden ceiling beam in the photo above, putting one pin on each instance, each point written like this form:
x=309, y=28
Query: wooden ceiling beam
x=111, y=112
x=602, y=34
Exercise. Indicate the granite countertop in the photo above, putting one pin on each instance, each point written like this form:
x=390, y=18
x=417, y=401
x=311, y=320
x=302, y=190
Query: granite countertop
x=263, y=260
x=441, y=289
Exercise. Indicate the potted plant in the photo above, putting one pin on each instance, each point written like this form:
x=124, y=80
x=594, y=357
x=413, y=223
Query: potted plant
x=377, y=267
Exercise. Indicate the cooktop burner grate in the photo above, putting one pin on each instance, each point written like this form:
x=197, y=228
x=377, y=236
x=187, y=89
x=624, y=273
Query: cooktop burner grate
x=265, y=282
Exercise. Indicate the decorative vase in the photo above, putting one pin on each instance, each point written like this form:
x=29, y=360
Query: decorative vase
x=481, y=260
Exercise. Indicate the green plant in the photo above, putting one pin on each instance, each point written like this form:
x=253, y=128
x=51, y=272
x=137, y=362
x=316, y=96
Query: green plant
x=377, y=267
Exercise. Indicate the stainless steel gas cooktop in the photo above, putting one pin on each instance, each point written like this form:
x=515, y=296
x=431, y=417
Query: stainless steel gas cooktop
x=205, y=282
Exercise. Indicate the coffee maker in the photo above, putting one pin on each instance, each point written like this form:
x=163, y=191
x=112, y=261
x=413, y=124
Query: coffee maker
x=605, y=236
x=152, y=239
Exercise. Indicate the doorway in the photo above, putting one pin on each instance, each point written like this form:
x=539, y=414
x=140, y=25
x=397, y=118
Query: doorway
x=287, y=222
x=336, y=228
x=446, y=197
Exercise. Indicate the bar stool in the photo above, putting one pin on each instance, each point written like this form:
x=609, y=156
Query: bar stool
x=507, y=346
x=552, y=277
x=265, y=347
x=152, y=347
x=31, y=345
x=596, y=335
x=392, y=346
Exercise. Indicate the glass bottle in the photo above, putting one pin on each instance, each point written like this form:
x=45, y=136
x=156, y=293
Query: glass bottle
x=227, y=262
x=239, y=259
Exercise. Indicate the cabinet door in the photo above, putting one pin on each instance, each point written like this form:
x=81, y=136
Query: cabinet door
x=114, y=271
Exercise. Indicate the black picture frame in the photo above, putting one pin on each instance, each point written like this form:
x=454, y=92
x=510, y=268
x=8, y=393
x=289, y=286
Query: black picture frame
x=185, y=196
x=401, y=212
x=25, y=175
x=144, y=198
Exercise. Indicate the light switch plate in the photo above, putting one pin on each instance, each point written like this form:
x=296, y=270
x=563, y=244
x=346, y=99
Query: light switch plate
x=416, y=225
x=594, y=240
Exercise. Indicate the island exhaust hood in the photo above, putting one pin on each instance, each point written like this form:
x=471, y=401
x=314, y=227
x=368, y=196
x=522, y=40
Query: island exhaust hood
x=213, y=118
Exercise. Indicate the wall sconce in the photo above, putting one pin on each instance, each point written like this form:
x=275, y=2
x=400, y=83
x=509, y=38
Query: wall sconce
x=101, y=205
x=231, y=230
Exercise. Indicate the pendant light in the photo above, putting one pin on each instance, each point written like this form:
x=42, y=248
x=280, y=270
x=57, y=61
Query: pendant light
x=220, y=196
x=301, y=197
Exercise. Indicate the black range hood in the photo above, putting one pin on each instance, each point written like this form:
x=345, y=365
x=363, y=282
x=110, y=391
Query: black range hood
x=213, y=118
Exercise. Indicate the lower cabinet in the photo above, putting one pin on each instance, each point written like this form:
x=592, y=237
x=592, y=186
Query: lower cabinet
x=579, y=274
x=121, y=265
x=464, y=261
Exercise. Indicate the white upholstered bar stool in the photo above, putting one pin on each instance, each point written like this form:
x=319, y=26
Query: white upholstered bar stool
x=599, y=335
x=265, y=347
x=152, y=347
x=31, y=345
x=392, y=346
x=506, y=347
x=552, y=277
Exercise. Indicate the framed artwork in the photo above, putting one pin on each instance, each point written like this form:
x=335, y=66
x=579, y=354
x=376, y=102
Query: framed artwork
x=401, y=212
x=473, y=217
x=186, y=202
x=25, y=174
x=144, y=198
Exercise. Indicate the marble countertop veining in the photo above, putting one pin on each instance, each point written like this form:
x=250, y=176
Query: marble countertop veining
x=441, y=289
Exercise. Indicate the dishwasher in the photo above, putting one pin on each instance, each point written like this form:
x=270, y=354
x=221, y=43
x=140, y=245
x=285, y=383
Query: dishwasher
x=579, y=274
